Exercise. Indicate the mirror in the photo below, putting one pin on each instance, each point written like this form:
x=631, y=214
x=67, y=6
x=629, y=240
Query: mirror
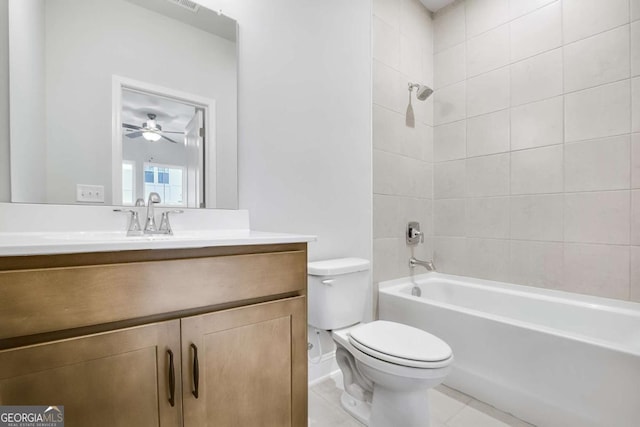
x=112, y=99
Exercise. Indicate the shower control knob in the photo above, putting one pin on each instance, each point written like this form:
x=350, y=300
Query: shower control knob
x=414, y=235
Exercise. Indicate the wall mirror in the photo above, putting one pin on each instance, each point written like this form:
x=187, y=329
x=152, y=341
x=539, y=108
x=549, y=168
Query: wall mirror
x=112, y=99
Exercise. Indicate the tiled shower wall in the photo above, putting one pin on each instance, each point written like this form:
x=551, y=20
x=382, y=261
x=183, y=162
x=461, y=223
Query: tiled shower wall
x=537, y=143
x=402, y=156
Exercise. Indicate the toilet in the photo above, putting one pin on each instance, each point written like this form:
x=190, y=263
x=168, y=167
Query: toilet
x=387, y=367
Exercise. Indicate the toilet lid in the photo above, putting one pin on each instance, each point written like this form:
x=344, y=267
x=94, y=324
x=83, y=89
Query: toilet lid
x=398, y=343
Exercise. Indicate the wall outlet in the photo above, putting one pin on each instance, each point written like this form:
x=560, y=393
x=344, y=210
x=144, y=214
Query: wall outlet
x=89, y=193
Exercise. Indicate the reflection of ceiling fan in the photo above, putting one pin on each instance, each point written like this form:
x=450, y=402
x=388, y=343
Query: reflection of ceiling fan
x=150, y=130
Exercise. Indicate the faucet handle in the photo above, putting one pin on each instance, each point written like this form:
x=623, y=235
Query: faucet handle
x=165, y=225
x=134, y=228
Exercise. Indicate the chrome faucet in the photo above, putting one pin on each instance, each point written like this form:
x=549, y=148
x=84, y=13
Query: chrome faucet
x=413, y=262
x=150, y=223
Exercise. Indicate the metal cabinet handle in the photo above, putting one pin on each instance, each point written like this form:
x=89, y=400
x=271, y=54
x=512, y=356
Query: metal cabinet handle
x=196, y=371
x=172, y=380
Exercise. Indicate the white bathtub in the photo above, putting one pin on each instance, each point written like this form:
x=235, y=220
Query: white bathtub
x=551, y=358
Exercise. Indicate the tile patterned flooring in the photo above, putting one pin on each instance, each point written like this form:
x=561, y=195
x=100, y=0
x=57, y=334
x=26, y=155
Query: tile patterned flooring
x=449, y=408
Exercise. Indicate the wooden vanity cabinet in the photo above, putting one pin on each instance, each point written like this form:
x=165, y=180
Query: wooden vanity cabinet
x=227, y=358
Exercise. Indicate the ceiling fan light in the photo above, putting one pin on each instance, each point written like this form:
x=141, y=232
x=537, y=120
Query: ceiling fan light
x=151, y=136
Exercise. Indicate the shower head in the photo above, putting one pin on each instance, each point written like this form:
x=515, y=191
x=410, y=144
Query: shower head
x=422, y=91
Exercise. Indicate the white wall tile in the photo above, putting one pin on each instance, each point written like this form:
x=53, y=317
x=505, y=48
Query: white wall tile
x=583, y=18
x=450, y=141
x=386, y=43
x=488, y=217
x=488, y=134
x=635, y=217
x=390, y=175
x=537, y=217
x=635, y=104
x=414, y=19
x=488, y=92
x=449, y=179
x=635, y=274
x=387, y=88
x=537, y=78
x=450, y=255
x=601, y=164
x=449, y=217
x=488, y=259
x=488, y=176
x=388, y=129
x=596, y=60
x=635, y=48
x=385, y=259
x=536, y=263
x=536, y=32
x=483, y=15
x=411, y=58
x=601, y=270
x=449, y=103
x=598, y=217
x=520, y=7
x=449, y=66
x=449, y=27
x=400, y=175
x=387, y=210
x=635, y=160
x=488, y=51
x=538, y=170
x=635, y=10
x=598, y=112
x=388, y=11
x=537, y=124
x=421, y=179
x=418, y=142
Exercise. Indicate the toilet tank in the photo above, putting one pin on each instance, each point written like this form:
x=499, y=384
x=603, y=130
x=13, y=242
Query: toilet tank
x=338, y=290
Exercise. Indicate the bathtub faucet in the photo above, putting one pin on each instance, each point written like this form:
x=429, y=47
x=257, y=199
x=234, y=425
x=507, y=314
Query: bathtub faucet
x=426, y=264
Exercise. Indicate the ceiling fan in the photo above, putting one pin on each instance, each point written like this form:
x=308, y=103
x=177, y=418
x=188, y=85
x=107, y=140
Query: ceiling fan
x=150, y=130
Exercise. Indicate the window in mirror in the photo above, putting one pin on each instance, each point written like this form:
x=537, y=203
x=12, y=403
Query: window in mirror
x=128, y=183
x=166, y=180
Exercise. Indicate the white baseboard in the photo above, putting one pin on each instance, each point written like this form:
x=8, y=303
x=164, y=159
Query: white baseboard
x=326, y=367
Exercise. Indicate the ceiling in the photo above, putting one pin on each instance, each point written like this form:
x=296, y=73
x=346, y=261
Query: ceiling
x=434, y=5
x=171, y=115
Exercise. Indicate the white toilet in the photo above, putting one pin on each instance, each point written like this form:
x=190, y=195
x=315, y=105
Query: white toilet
x=387, y=367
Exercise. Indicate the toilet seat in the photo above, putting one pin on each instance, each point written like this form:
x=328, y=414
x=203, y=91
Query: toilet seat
x=400, y=344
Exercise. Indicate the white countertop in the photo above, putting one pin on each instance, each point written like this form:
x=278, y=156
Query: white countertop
x=50, y=243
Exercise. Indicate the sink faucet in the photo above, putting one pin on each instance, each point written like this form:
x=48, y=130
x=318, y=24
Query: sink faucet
x=413, y=262
x=150, y=223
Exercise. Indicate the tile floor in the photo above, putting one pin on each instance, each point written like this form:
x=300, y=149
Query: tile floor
x=449, y=408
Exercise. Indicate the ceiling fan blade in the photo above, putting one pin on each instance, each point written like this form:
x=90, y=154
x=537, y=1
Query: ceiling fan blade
x=128, y=126
x=170, y=140
x=133, y=134
x=173, y=131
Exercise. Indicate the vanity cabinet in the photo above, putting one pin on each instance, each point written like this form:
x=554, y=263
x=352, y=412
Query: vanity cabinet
x=190, y=337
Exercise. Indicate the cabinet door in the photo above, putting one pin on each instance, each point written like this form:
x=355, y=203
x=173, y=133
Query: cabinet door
x=251, y=366
x=112, y=379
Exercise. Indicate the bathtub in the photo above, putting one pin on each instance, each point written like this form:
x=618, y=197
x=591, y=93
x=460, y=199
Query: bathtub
x=548, y=357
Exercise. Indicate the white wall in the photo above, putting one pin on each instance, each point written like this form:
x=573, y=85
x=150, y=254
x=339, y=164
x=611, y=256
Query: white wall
x=28, y=113
x=5, y=172
x=305, y=125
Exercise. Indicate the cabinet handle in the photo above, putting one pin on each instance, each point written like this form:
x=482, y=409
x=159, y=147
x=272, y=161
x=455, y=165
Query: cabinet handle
x=172, y=380
x=196, y=370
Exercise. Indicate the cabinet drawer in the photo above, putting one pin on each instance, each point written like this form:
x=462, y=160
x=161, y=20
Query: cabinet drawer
x=53, y=299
